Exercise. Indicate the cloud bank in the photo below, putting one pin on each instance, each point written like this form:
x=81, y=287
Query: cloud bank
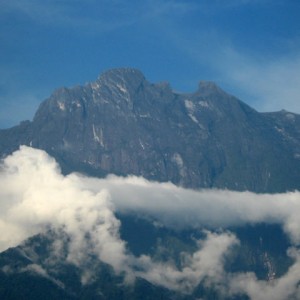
x=178, y=207
x=35, y=196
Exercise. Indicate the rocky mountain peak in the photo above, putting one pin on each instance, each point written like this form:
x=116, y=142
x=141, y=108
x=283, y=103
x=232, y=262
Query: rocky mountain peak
x=123, y=124
x=122, y=78
x=206, y=88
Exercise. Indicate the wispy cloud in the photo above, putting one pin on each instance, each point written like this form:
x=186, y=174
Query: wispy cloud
x=265, y=80
x=68, y=14
x=34, y=197
x=99, y=16
x=271, y=84
x=232, y=3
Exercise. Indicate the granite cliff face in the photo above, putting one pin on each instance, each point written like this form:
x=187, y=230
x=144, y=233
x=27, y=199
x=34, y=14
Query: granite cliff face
x=123, y=124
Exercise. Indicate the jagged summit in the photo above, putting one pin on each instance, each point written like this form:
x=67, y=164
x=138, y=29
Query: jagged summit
x=130, y=76
x=209, y=87
x=134, y=77
x=128, y=80
x=122, y=77
x=121, y=72
x=123, y=124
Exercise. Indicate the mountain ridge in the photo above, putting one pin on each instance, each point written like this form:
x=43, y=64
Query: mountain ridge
x=123, y=124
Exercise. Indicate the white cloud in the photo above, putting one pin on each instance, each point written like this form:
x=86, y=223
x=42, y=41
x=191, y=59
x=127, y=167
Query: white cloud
x=285, y=287
x=267, y=83
x=179, y=207
x=271, y=84
x=206, y=264
x=34, y=197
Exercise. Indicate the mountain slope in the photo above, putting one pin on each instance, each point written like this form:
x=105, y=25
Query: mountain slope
x=123, y=124
x=31, y=270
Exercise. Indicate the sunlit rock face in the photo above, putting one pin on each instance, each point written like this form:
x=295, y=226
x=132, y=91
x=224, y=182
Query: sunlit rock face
x=123, y=124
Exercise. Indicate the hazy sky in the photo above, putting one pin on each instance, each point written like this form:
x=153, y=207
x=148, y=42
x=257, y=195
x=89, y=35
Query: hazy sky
x=249, y=47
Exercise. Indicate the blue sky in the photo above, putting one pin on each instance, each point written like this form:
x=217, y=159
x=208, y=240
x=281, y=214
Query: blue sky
x=251, y=48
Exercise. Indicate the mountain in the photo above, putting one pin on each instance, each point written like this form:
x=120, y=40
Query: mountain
x=122, y=124
x=30, y=271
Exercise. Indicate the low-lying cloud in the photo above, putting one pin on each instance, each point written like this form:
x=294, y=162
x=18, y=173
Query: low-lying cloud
x=178, y=207
x=35, y=196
